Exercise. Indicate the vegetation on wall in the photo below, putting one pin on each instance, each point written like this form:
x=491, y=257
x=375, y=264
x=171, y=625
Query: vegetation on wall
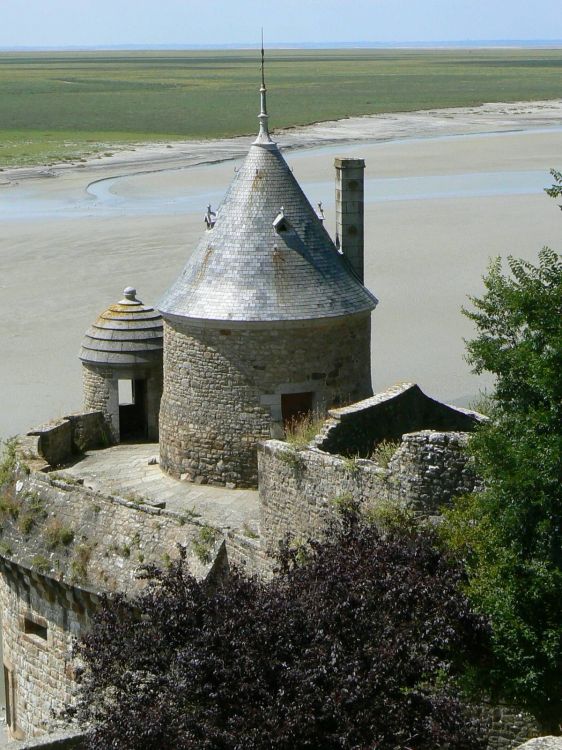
x=511, y=534
x=357, y=647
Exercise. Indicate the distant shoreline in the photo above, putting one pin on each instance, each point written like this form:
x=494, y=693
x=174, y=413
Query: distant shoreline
x=429, y=45
x=495, y=117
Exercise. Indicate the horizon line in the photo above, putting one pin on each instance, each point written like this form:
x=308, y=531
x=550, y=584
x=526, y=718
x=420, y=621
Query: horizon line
x=360, y=44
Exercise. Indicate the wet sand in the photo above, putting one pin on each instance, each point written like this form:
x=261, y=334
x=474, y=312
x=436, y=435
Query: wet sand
x=66, y=253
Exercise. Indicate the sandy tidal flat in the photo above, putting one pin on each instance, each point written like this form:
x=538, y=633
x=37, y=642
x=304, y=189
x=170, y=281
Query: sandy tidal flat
x=438, y=208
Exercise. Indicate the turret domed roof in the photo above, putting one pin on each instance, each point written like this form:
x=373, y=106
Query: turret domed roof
x=126, y=334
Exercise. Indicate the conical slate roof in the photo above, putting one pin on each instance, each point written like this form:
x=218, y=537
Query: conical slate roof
x=127, y=333
x=268, y=256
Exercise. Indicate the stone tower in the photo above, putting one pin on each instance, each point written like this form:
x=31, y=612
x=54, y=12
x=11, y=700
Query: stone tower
x=121, y=355
x=267, y=320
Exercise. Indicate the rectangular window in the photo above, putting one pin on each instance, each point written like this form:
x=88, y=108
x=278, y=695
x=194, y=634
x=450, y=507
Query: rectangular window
x=34, y=628
x=126, y=392
x=10, y=698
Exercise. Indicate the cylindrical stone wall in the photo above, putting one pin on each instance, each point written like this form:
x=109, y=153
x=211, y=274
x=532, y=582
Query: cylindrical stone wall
x=223, y=388
x=101, y=394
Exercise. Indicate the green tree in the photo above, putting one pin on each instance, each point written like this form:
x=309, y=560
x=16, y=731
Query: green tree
x=510, y=534
x=555, y=191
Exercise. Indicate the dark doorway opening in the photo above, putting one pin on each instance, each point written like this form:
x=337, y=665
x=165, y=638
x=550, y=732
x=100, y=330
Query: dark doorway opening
x=133, y=423
x=295, y=406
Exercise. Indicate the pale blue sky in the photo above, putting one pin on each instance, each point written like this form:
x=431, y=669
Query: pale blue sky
x=159, y=22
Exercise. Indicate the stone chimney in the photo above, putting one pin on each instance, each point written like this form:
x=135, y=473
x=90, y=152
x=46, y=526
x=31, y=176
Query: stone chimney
x=349, y=211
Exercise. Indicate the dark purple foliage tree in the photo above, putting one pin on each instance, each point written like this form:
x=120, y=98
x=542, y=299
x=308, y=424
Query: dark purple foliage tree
x=357, y=648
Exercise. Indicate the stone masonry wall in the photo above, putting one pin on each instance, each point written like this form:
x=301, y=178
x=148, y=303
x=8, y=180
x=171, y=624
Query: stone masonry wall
x=507, y=727
x=223, y=387
x=60, y=440
x=358, y=428
x=61, y=546
x=55, y=525
x=301, y=489
x=154, y=385
x=430, y=468
x=100, y=394
x=41, y=668
x=350, y=211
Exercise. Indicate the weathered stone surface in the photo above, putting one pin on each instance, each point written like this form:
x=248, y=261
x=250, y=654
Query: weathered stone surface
x=507, y=727
x=39, y=668
x=100, y=394
x=90, y=540
x=67, y=740
x=358, y=428
x=59, y=441
x=350, y=211
x=300, y=490
x=62, y=545
x=223, y=388
x=542, y=743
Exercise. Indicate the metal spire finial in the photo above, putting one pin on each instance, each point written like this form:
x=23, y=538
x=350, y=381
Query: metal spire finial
x=263, y=135
x=262, y=62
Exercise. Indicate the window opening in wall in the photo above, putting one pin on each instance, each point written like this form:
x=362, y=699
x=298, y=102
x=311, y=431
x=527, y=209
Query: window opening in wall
x=126, y=392
x=133, y=419
x=33, y=628
x=294, y=406
x=9, y=688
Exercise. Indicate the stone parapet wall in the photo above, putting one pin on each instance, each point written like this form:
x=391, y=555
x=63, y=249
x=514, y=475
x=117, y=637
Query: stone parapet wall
x=223, y=389
x=59, y=441
x=97, y=542
x=301, y=490
x=430, y=468
x=248, y=554
x=358, y=428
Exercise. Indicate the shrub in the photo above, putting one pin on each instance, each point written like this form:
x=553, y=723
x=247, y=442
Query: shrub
x=384, y=451
x=57, y=534
x=8, y=462
x=358, y=647
x=203, y=545
x=301, y=430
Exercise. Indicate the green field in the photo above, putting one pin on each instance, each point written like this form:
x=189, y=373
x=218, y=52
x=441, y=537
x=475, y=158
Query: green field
x=56, y=106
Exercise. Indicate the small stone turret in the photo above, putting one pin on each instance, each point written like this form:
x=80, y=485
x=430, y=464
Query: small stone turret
x=350, y=212
x=122, y=365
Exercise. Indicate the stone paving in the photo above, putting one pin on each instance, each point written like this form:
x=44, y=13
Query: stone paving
x=124, y=470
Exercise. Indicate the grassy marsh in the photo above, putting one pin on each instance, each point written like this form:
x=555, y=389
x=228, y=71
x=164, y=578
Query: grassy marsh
x=67, y=105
